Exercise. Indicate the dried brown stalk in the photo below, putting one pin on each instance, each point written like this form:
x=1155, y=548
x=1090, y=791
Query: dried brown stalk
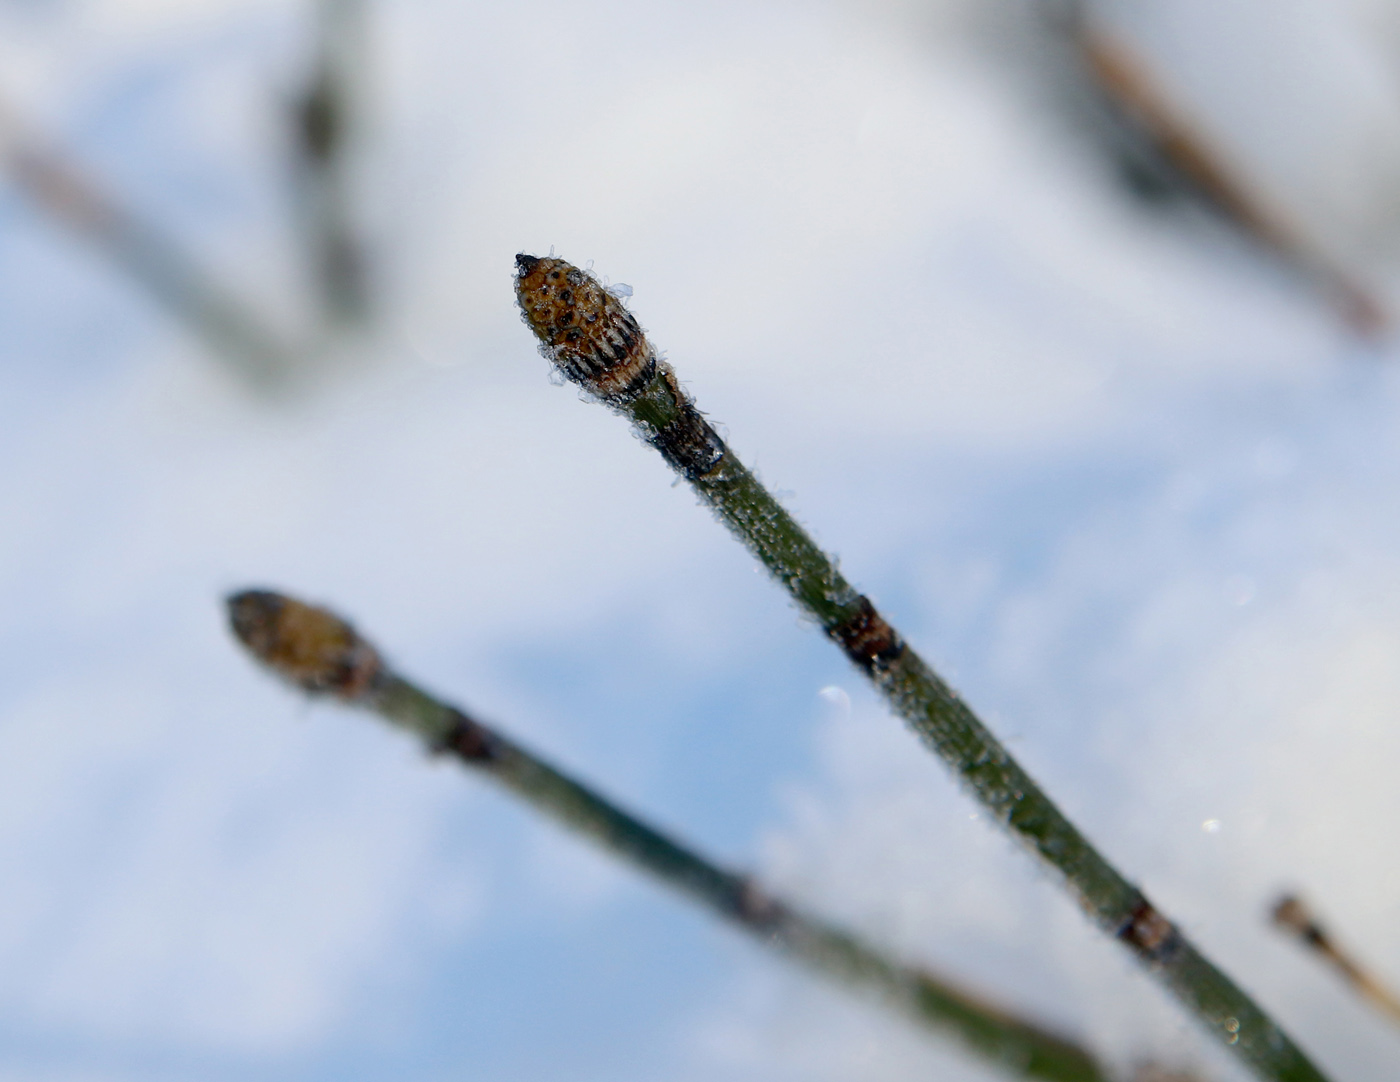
x=1125, y=80
x=1292, y=915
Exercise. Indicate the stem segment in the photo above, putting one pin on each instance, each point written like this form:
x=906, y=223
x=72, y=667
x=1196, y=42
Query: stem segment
x=321, y=653
x=594, y=341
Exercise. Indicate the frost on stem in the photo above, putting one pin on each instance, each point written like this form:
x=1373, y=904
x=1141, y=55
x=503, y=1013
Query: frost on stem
x=584, y=330
x=314, y=649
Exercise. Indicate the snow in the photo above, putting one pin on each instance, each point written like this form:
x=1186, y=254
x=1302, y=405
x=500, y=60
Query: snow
x=1117, y=473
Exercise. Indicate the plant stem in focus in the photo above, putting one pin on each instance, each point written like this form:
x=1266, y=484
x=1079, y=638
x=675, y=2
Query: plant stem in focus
x=321, y=653
x=593, y=340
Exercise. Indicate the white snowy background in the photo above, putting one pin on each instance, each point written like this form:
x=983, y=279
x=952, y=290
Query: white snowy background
x=1124, y=478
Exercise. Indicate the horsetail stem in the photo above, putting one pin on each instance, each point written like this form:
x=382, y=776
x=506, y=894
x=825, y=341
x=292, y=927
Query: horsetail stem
x=233, y=331
x=321, y=653
x=1292, y=915
x=593, y=340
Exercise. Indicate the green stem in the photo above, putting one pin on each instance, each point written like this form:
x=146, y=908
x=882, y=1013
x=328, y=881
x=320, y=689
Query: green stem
x=597, y=343
x=1010, y=1043
x=319, y=652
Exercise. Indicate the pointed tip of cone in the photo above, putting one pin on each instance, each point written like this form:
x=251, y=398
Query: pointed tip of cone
x=310, y=647
x=251, y=613
x=526, y=263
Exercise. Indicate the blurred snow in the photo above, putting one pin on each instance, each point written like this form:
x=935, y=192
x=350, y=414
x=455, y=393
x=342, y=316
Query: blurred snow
x=1115, y=472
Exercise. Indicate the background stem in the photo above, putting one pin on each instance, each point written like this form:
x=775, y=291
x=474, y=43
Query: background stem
x=323, y=654
x=1010, y=1043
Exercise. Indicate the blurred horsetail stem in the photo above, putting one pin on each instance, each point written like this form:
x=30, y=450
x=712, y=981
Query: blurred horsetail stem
x=321, y=653
x=231, y=329
x=589, y=335
x=329, y=123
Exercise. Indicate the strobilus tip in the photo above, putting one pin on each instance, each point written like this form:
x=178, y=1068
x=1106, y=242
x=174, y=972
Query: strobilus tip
x=307, y=646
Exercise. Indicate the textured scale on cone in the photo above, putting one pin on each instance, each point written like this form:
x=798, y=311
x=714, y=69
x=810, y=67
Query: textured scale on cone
x=585, y=331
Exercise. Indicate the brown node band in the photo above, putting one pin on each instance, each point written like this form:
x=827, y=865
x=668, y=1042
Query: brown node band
x=468, y=740
x=1149, y=933
x=867, y=639
x=756, y=907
